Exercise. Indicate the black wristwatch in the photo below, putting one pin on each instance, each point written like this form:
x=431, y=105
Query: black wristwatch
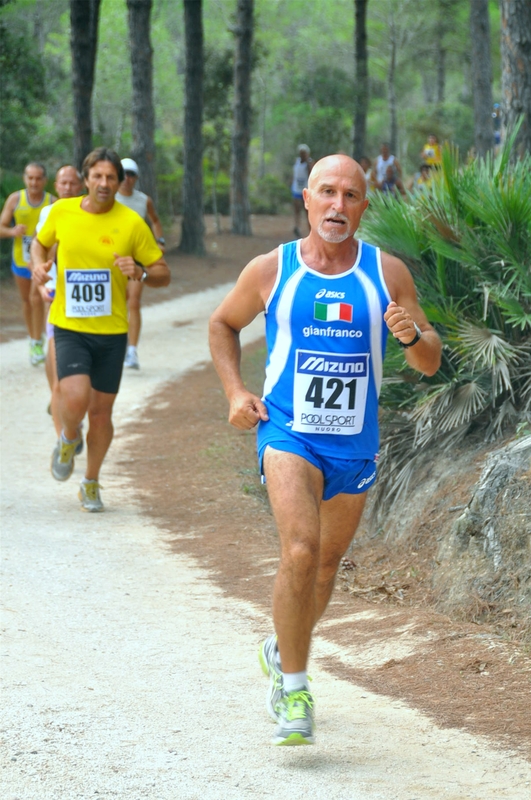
x=418, y=334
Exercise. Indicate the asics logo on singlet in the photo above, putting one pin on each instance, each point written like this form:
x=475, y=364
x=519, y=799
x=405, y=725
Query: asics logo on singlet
x=330, y=295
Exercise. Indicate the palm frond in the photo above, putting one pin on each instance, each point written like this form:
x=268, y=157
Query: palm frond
x=468, y=244
x=484, y=346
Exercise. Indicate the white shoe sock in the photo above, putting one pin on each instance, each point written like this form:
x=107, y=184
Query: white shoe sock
x=295, y=681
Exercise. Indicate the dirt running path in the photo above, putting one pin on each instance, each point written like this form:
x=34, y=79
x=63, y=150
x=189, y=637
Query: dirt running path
x=128, y=674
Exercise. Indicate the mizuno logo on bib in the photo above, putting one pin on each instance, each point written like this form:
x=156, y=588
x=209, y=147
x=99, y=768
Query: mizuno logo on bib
x=329, y=392
x=88, y=293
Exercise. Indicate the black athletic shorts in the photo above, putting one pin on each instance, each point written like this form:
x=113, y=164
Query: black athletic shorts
x=100, y=356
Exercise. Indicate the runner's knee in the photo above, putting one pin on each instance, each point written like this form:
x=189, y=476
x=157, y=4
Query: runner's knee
x=74, y=402
x=300, y=556
x=100, y=417
x=328, y=566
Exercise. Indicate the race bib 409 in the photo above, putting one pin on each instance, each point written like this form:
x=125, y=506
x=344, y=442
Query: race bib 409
x=88, y=293
x=329, y=392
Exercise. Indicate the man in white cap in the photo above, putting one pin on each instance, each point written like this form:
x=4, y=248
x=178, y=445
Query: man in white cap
x=144, y=206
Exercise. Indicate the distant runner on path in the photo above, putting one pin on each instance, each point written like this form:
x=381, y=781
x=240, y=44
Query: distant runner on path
x=18, y=220
x=329, y=301
x=67, y=184
x=301, y=172
x=381, y=164
x=144, y=206
x=100, y=244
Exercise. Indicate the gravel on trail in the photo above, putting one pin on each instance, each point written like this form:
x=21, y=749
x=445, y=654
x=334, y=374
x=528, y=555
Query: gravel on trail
x=128, y=674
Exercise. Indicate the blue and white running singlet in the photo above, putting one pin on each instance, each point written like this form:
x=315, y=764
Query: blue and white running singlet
x=326, y=341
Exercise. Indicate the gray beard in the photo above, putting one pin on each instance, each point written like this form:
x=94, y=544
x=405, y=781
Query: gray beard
x=334, y=237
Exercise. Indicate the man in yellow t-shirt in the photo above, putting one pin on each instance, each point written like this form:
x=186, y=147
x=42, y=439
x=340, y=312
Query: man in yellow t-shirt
x=101, y=245
x=18, y=220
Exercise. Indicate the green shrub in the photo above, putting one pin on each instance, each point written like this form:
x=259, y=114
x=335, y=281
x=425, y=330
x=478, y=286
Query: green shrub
x=468, y=245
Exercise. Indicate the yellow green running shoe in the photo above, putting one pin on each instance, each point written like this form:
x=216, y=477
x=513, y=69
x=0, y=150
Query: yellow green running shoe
x=63, y=458
x=37, y=354
x=89, y=494
x=296, y=724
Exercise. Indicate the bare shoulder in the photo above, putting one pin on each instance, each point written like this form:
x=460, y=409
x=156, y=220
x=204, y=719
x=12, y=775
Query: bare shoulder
x=396, y=275
x=249, y=296
x=261, y=273
x=11, y=201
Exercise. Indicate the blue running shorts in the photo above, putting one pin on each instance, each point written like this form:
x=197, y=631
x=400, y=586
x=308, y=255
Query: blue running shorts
x=20, y=272
x=341, y=476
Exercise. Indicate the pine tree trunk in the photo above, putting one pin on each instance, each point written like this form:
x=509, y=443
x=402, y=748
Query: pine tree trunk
x=481, y=76
x=516, y=67
x=83, y=44
x=193, y=228
x=444, y=11
x=239, y=171
x=361, y=88
x=143, y=114
x=391, y=90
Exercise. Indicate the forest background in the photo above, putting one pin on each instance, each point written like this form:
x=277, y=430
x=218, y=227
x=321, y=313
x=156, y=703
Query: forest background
x=302, y=86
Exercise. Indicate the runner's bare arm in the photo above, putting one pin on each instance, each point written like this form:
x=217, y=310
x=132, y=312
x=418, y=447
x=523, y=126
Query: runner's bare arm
x=6, y=217
x=155, y=222
x=40, y=261
x=158, y=272
x=403, y=311
x=246, y=300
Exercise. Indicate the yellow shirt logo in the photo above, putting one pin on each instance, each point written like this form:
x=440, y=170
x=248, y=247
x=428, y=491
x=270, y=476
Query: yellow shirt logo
x=106, y=240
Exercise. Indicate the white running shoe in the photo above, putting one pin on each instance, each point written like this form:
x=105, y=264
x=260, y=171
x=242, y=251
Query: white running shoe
x=131, y=359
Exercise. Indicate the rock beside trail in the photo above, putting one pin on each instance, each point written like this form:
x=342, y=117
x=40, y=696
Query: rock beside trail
x=466, y=517
x=485, y=557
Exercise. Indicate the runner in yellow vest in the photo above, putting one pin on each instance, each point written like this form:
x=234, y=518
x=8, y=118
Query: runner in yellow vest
x=102, y=246
x=18, y=221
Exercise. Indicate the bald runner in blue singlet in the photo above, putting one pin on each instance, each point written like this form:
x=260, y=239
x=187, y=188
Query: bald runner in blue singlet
x=329, y=302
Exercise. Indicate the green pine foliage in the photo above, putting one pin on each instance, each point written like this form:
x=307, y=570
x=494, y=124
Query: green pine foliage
x=468, y=245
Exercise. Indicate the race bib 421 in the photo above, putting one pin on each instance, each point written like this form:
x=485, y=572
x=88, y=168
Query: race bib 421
x=330, y=392
x=88, y=293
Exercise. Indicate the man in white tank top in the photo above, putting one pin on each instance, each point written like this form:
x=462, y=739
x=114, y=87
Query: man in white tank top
x=301, y=172
x=129, y=196
x=384, y=160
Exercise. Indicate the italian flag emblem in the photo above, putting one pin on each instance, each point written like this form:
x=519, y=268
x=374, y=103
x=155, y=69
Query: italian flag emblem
x=331, y=312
